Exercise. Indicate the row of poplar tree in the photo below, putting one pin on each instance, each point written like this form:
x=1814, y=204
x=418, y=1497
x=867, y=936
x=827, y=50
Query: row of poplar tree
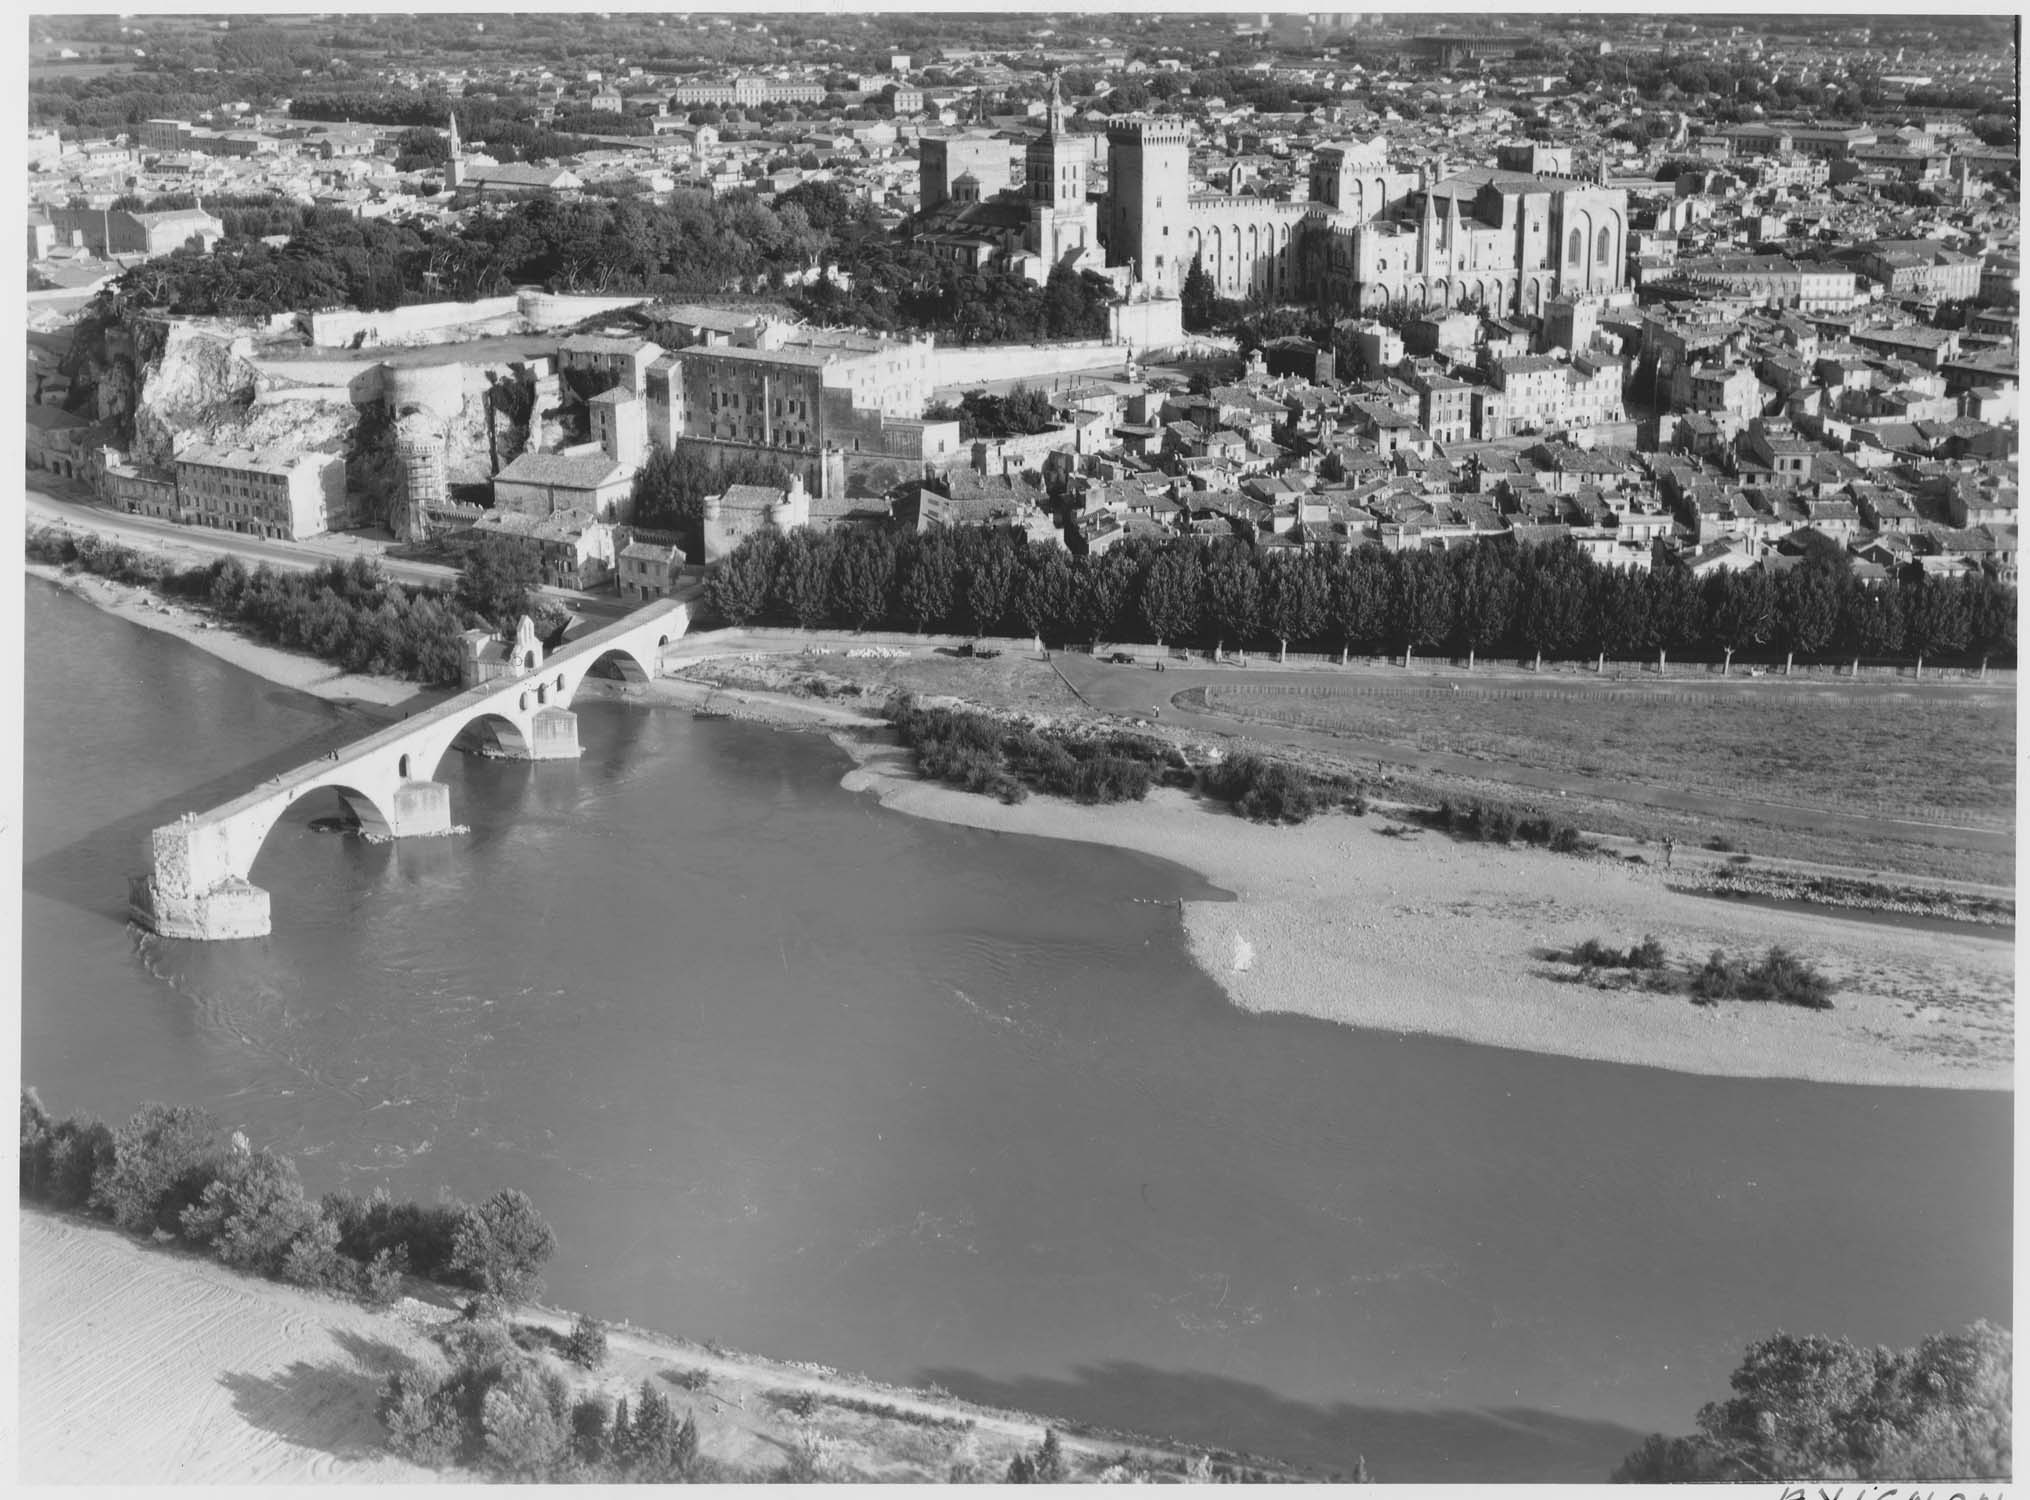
x=1492, y=597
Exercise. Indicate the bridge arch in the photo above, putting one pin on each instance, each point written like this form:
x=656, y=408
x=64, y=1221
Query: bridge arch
x=370, y=810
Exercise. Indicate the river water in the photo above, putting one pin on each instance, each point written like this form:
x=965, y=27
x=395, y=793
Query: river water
x=818, y=1080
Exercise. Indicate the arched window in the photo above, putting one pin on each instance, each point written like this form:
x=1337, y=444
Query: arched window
x=1606, y=247
x=1576, y=248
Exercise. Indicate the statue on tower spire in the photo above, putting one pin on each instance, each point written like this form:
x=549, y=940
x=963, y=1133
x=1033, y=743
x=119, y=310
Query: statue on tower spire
x=1055, y=118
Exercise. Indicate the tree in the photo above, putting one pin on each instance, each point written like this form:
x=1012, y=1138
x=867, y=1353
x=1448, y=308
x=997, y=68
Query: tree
x=1821, y=1408
x=1936, y=620
x=251, y=1212
x=1808, y=600
x=1197, y=296
x=501, y=1246
x=526, y=1420
x=1045, y=590
x=420, y=1411
x=1359, y=608
x=1300, y=591
x=987, y=578
x=863, y=577
x=1740, y=611
x=802, y=578
x=738, y=589
x=1675, y=615
x=162, y=1146
x=1233, y=594
x=1099, y=590
x=669, y=494
x=1871, y=619
x=928, y=579
x=1421, y=598
x=1485, y=578
x=1168, y=598
x=586, y=1347
x=498, y=582
x=1991, y=616
x=1050, y=1465
x=1551, y=606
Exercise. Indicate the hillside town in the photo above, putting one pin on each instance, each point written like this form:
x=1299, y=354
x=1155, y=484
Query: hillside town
x=1416, y=290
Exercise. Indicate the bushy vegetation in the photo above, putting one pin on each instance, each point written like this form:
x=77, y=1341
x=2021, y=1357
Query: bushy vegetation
x=512, y=1415
x=1275, y=791
x=977, y=752
x=167, y=1169
x=1501, y=823
x=1778, y=975
x=1493, y=598
x=1821, y=1408
x=347, y=613
x=1646, y=956
x=889, y=1412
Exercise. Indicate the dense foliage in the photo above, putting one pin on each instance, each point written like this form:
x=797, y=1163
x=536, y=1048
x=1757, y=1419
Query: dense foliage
x=1822, y=1408
x=980, y=753
x=981, y=414
x=166, y=1169
x=1492, y=598
x=349, y=613
x=671, y=486
x=898, y=285
x=1267, y=790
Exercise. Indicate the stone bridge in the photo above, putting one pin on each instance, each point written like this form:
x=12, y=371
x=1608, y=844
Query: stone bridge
x=198, y=886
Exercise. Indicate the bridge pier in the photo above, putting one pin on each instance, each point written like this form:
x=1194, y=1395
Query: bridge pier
x=192, y=889
x=416, y=810
x=553, y=735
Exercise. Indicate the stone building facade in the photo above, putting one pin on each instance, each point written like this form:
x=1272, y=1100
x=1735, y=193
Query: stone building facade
x=1371, y=235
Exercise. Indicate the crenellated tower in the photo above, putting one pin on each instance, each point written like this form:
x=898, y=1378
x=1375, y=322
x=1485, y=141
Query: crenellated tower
x=1148, y=194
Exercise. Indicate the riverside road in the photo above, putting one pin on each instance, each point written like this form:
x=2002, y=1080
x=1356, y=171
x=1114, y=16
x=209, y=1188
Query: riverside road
x=1140, y=690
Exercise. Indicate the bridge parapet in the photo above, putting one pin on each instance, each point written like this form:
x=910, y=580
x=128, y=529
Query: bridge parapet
x=197, y=885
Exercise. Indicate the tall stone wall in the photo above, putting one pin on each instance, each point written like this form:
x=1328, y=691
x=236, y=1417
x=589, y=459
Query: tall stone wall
x=547, y=310
x=975, y=363
x=396, y=325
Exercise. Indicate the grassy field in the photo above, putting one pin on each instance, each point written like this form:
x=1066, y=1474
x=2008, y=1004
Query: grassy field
x=1899, y=754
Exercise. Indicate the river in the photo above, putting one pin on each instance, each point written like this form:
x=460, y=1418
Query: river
x=825, y=1082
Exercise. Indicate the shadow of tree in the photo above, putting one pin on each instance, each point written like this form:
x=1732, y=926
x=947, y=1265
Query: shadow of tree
x=1464, y=1445
x=332, y=1408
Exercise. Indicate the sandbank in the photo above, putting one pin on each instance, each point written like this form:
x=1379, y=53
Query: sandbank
x=1419, y=934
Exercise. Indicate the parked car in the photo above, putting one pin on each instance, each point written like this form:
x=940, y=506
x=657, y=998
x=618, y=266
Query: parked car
x=1122, y=659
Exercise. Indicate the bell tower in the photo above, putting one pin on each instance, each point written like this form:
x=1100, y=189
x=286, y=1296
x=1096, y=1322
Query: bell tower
x=454, y=166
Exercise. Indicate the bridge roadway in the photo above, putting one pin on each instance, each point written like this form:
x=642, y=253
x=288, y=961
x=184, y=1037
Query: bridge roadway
x=197, y=885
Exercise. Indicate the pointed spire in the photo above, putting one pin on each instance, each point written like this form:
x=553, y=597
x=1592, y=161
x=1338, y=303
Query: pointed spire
x=454, y=134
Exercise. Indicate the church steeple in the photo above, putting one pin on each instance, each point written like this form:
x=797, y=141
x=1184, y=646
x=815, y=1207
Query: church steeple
x=1054, y=118
x=454, y=166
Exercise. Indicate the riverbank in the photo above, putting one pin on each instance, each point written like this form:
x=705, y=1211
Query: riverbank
x=145, y=1364
x=290, y=669
x=1408, y=934
x=1416, y=933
